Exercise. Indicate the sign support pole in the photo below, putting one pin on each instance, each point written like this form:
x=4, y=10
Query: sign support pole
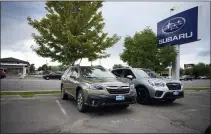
x=176, y=64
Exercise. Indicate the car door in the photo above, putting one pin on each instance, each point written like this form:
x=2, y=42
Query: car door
x=64, y=78
x=67, y=81
x=73, y=83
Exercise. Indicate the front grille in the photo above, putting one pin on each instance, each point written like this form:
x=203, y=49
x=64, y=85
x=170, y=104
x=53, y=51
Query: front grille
x=174, y=86
x=118, y=90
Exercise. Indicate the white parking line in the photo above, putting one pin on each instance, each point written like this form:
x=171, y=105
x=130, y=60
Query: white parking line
x=61, y=108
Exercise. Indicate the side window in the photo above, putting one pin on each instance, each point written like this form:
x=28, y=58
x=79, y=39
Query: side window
x=75, y=72
x=117, y=73
x=65, y=73
x=69, y=72
x=128, y=72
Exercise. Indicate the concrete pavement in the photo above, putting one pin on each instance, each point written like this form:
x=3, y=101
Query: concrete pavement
x=51, y=114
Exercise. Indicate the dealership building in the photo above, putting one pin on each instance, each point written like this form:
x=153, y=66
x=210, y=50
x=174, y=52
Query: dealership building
x=13, y=66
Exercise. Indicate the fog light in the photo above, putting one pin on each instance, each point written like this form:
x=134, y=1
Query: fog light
x=158, y=93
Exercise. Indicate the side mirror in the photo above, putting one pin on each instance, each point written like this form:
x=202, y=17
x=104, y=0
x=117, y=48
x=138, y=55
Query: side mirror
x=130, y=77
x=73, y=76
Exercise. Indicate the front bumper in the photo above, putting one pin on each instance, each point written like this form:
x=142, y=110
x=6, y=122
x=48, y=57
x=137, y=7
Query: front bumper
x=170, y=95
x=109, y=100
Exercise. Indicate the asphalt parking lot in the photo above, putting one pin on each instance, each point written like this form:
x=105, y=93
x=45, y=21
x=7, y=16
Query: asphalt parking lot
x=50, y=113
x=15, y=84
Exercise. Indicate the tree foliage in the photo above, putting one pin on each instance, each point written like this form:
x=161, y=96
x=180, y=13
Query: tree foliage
x=39, y=69
x=118, y=66
x=32, y=68
x=200, y=69
x=72, y=30
x=141, y=51
x=181, y=71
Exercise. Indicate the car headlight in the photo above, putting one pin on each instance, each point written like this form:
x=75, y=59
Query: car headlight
x=96, y=87
x=157, y=84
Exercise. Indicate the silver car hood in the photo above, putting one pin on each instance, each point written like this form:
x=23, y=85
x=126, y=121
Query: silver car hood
x=163, y=80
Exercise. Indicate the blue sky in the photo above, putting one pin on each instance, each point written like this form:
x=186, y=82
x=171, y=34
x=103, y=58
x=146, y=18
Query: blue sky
x=123, y=18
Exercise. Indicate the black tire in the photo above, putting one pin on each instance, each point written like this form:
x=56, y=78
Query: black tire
x=47, y=78
x=142, y=96
x=170, y=100
x=80, y=101
x=63, y=93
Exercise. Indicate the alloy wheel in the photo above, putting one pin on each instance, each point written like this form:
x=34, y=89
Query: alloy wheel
x=80, y=101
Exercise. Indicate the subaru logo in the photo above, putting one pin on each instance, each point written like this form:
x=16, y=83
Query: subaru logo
x=173, y=25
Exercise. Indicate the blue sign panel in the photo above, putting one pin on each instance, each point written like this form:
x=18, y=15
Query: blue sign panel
x=178, y=29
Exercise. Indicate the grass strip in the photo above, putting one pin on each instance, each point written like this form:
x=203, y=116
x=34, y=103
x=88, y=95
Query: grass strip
x=29, y=94
x=197, y=89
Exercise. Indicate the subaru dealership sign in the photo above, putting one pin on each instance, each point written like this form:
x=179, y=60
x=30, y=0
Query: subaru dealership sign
x=178, y=29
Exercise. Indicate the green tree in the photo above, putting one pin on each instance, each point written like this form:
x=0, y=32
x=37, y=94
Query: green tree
x=39, y=69
x=32, y=68
x=118, y=66
x=44, y=67
x=49, y=68
x=141, y=51
x=62, y=67
x=201, y=69
x=181, y=71
x=189, y=71
x=72, y=30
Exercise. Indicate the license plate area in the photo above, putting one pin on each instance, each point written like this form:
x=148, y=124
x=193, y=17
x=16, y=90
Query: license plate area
x=120, y=97
x=175, y=93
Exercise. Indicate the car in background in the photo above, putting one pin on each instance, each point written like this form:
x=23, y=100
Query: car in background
x=94, y=86
x=186, y=78
x=203, y=77
x=2, y=74
x=53, y=75
x=150, y=86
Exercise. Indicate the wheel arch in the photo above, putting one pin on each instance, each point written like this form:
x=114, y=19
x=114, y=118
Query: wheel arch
x=78, y=88
x=143, y=86
x=140, y=86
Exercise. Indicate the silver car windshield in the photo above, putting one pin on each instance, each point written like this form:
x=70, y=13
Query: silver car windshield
x=145, y=73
